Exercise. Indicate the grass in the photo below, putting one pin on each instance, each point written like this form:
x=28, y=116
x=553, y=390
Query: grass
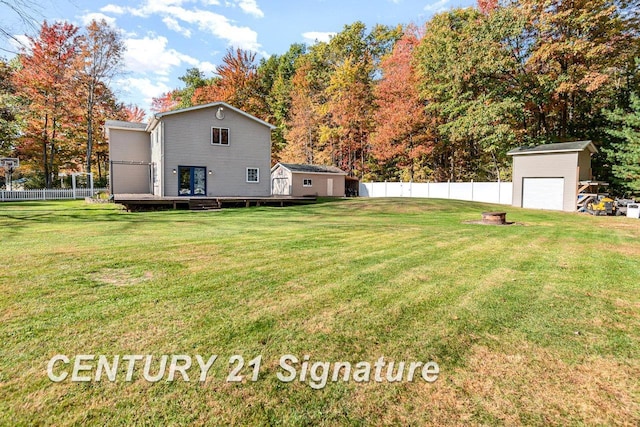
x=535, y=323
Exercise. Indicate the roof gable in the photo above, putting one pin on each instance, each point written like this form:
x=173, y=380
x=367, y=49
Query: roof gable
x=303, y=168
x=560, y=147
x=157, y=117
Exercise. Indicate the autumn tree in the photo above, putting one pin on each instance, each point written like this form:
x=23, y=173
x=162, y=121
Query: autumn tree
x=133, y=113
x=275, y=85
x=101, y=53
x=404, y=132
x=467, y=82
x=166, y=102
x=45, y=81
x=304, y=117
x=578, y=57
x=236, y=83
x=332, y=118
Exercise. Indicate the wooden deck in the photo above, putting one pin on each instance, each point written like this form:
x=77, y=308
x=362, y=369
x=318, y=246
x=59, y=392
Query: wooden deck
x=134, y=202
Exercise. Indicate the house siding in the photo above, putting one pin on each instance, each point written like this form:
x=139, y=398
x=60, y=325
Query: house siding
x=319, y=184
x=548, y=165
x=129, y=146
x=584, y=163
x=187, y=142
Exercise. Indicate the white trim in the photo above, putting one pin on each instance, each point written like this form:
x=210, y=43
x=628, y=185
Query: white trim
x=257, y=176
x=119, y=125
x=545, y=152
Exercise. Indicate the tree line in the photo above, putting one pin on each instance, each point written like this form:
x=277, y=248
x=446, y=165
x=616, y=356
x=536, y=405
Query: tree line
x=448, y=99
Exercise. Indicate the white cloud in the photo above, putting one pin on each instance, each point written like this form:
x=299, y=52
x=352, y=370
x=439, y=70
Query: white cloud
x=437, y=7
x=150, y=55
x=317, y=36
x=144, y=89
x=113, y=8
x=96, y=16
x=19, y=42
x=250, y=7
x=174, y=25
x=206, y=21
x=207, y=67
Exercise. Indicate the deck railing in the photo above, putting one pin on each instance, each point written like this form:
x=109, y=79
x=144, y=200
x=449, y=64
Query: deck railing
x=48, y=194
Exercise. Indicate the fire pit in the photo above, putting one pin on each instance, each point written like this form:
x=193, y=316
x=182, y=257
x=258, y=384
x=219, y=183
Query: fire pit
x=494, y=218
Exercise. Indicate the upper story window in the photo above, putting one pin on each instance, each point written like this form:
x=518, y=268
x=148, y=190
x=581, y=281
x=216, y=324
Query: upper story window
x=219, y=136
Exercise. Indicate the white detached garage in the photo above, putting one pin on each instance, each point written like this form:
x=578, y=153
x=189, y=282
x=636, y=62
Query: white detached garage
x=547, y=176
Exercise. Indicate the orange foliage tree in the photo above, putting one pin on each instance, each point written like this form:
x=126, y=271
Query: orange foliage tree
x=404, y=132
x=46, y=83
x=133, y=113
x=236, y=84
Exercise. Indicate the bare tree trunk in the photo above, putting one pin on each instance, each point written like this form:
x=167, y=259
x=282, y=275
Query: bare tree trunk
x=90, y=107
x=45, y=160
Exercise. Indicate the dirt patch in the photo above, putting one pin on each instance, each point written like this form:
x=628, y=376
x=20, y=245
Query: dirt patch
x=480, y=222
x=629, y=248
x=120, y=277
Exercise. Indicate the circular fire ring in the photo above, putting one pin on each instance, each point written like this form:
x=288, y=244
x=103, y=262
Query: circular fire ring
x=494, y=218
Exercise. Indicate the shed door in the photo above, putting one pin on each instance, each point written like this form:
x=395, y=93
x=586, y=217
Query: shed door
x=543, y=193
x=330, y=187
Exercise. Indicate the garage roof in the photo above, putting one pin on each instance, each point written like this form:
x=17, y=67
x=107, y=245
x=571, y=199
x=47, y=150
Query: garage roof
x=560, y=147
x=313, y=168
x=119, y=124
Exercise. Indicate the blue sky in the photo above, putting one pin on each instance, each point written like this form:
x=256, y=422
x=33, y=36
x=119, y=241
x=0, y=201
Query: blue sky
x=166, y=37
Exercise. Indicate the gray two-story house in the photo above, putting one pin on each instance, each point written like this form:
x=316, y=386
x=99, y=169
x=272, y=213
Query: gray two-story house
x=211, y=150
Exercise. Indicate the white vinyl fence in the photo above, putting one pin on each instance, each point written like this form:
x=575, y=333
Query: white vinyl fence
x=48, y=194
x=487, y=192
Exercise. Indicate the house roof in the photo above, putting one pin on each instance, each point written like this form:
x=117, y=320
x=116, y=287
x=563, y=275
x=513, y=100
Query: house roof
x=156, y=118
x=311, y=168
x=560, y=147
x=120, y=124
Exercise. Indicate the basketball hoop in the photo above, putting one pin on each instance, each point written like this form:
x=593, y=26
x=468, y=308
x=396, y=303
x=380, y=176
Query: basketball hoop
x=10, y=164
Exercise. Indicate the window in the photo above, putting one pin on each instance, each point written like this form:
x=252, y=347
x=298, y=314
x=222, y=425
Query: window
x=307, y=182
x=219, y=136
x=253, y=175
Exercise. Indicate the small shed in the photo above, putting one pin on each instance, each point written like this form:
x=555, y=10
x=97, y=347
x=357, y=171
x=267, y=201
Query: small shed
x=548, y=176
x=288, y=179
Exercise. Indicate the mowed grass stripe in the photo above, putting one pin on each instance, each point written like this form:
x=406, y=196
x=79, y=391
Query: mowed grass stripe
x=349, y=280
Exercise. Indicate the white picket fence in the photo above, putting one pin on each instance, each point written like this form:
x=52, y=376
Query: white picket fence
x=48, y=194
x=487, y=192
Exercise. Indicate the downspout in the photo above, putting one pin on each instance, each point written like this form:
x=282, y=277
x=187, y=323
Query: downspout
x=162, y=165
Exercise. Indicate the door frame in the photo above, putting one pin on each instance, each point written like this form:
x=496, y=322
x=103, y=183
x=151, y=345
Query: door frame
x=191, y=180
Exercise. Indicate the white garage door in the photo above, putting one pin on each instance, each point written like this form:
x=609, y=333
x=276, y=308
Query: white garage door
x=543, y=193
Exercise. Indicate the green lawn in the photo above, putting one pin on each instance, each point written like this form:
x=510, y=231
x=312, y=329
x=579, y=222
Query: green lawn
x=534, y=323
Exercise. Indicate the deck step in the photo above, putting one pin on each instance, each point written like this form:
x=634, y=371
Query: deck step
x=204, y=204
